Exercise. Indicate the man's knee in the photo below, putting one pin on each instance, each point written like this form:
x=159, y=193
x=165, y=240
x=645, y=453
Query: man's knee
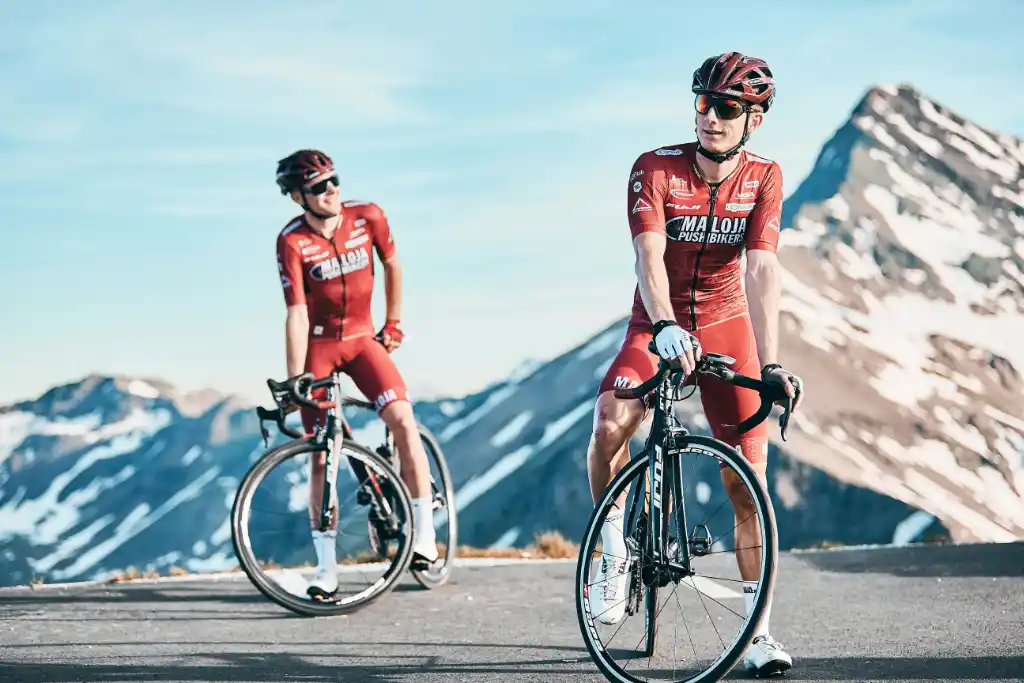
x=399, y=417
x=616, y=419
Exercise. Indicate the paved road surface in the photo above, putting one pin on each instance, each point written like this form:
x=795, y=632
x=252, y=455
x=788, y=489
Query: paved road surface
x=890, y=614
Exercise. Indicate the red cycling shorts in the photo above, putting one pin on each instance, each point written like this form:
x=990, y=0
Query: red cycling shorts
x=725, y=405
x=365, y=360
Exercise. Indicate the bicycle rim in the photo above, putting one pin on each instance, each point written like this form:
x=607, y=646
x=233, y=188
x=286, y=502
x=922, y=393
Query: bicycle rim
x=241, y=513
x=440, y=571
x=633, y=474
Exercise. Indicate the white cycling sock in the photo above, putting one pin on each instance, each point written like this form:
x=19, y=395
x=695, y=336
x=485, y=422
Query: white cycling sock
x=423, y=522
x=326, y=550
x=611, y=535
x=749, y=592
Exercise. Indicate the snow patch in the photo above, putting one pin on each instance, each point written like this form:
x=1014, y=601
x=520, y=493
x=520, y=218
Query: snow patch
x=191, y=455
x=142, y=389
x=932, y=113
x=479, y=485
x=493, y=400
x=967, y=436
x=857, y=265
x=71, y=545
x=600, y=343
x=450, y=408
x=874, y=127
x=506, y=539
x=137, y=521
x=511, y=430
x=912, y=527
x=47, y=517
x=524, y=370
x=982, y=139
x=928, y=144
x=1002, y=193
x=1004, y=168
x=837, y=207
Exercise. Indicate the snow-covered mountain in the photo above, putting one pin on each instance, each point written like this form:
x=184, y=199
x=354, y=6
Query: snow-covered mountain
x=904, y=252
x=904, y=308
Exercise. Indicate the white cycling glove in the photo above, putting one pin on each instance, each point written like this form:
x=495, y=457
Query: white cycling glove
x=672, y=340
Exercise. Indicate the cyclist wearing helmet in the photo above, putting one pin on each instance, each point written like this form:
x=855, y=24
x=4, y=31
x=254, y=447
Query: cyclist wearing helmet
x=694, y=209
x=325, y=260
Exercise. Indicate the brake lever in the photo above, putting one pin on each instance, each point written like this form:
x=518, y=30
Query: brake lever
x=787, y=409
x=264, y=432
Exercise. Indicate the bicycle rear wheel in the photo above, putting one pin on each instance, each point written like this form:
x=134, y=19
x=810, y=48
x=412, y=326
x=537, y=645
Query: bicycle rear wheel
x=270, y=512
x=446, y=523
x=657, y=647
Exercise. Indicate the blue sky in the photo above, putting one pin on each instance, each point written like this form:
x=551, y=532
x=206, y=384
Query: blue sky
x=138, y=142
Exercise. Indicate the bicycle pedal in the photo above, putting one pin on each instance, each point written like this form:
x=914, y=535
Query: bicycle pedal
x=421, y=563
x=320, y=595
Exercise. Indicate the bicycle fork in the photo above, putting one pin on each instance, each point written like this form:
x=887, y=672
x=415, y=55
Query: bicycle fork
x=329, y=496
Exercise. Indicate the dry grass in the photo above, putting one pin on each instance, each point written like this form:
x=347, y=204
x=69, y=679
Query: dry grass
x=547, y=545
x=132, y=574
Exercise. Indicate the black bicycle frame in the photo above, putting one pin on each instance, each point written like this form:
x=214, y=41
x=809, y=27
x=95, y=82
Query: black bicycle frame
x=662, y=438
x=329, y=434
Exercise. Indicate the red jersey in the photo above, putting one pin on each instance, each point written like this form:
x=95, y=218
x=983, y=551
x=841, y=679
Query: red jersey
x=707, y=226
x=334, y=277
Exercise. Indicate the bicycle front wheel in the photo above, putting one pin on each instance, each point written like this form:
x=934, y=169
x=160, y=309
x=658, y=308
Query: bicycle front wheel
x=271, y=531
x=680, y=615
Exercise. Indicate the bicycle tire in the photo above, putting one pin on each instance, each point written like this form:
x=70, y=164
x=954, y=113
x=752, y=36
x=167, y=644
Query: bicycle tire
x=769, y=559
x=243, y=549
x=440, y=571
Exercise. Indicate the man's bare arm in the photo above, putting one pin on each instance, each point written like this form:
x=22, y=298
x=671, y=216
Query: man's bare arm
x=393, y=289
x=296, y=338
x=651, y=275
x=764, y=290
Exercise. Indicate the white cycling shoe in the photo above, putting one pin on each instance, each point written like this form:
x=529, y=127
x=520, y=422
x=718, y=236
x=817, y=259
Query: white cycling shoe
x=765, y=657
x=609, y=590
x=324, y=584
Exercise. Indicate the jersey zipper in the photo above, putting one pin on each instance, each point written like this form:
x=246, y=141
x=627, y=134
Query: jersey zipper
x=344, y=286
x=703, y=246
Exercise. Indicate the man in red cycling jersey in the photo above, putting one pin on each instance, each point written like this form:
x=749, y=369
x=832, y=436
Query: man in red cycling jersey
x=325, y=258
x=693, y=210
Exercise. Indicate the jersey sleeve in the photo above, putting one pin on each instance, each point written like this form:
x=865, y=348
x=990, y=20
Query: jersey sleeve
x=763, y=224
x=645, y=206
x=383, y=240
x=289, y=264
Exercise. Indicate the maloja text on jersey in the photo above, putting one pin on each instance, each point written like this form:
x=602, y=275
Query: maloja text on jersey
x=350, y=261
x=726, y=230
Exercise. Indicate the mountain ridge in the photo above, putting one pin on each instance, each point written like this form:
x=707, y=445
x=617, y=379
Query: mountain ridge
x=903, y=291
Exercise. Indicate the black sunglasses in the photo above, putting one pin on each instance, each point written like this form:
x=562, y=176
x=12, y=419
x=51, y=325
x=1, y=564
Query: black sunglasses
x=321, y=187
x=726, y=109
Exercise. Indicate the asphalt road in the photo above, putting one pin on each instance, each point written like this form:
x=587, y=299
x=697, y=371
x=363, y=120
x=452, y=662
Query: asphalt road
x=899, y=614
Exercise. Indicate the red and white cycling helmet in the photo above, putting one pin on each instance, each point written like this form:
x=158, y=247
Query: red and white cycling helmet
x=733, y=74
x=301, y=168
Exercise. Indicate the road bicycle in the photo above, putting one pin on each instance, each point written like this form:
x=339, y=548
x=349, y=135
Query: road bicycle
x=382, y=504
x=663, y=549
